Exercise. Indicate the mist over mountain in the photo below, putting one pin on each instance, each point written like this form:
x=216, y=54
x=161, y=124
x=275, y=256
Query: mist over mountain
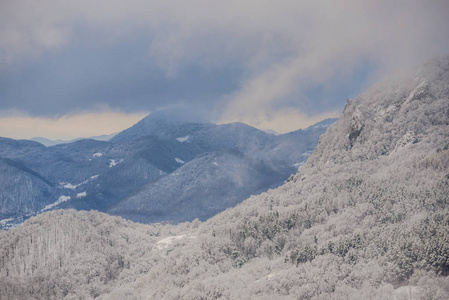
x=140, y=163
x=48, y=142
x=366, y=217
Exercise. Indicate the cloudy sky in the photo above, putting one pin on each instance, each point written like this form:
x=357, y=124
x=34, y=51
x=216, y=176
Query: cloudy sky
x=84, y=68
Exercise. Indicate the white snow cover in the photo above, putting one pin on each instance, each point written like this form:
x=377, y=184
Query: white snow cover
x=79, y=195
x=183, y=139
x=70, y=186
x=419, y=91
x=98, y=154
x=73, y=187
x=113, y=162
x=180, y=161
x=4, y=221
x=164, y=243
x=59, y=201
x=339, y=226
x=407, y=139
x=406, y=292
x=383, y=112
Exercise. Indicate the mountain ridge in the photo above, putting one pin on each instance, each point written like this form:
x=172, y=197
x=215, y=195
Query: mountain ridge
x=359, y=220
x=48, y=142
x=92, y=174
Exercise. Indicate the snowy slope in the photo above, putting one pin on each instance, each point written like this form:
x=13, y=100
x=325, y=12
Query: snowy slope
x=366, y=217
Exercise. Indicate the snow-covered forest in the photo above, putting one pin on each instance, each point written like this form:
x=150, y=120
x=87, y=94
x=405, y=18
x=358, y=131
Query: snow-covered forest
x=366, y=217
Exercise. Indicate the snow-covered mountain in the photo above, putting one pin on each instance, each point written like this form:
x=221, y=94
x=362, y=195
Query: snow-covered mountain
x=105, y=175
x=366, y=217
x=200, y=188
x=220, y=166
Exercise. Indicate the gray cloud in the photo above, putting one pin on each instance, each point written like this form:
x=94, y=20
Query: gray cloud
x=239, y=60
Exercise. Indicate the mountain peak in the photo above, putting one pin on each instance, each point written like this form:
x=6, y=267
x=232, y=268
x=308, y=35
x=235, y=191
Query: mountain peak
x=407, y=111
x=176, y=116
x=162, y=123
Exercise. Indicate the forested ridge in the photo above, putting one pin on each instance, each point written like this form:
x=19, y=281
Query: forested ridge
x=366, y=217
x=162, y=169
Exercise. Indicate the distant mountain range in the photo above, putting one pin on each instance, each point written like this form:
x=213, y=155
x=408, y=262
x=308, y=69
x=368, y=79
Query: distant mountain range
x=162, y=169
x=48, y=142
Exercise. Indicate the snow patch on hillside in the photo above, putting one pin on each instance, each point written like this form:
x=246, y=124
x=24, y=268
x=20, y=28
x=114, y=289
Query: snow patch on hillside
x=70, y=186
x=164, y=243
x=179, y=161
x=113, y=162
x=80, y=195
x=59, y=201
x=4, y=221
x=67, y=185
x=98, y=154
x=183, y=139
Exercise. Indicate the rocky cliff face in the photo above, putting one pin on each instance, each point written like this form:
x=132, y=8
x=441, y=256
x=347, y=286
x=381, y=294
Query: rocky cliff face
x=405, y=113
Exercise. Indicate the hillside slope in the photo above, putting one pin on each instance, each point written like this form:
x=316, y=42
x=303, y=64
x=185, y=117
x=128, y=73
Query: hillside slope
x=33, y=192
x=366, y=217
x=200, y=188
